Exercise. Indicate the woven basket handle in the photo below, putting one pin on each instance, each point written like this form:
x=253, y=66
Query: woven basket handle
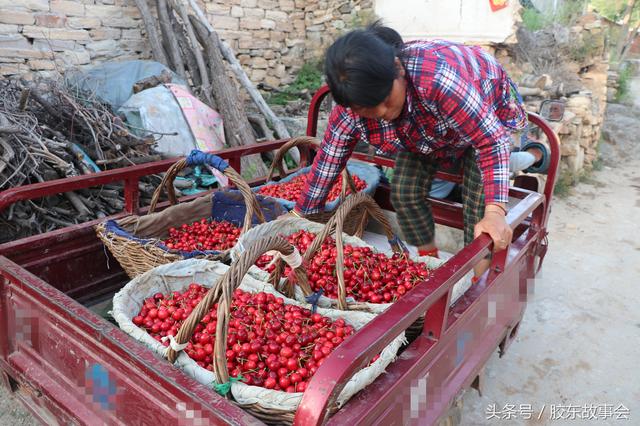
x=336, y=225
x=199, y=158
x=278, y=162
x=222, y=293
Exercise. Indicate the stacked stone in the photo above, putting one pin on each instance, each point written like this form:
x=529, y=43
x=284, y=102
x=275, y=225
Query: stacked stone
x=45, y=35
x=325, y=20
x=612, y=85
x=267, y=35
x=579, y=131
x=49, y=35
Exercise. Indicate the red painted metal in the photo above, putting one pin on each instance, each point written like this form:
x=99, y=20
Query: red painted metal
x=49, y=341
x=131, y=174
x=335, y=372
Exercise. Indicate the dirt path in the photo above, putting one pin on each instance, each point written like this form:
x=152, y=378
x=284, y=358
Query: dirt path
x=579, y=341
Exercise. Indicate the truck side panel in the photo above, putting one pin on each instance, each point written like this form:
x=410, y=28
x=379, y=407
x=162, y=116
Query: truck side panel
x=77, y=368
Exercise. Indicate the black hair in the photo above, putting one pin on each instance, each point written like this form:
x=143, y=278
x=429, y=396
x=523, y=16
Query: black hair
x=388, y=35
x=360, y=65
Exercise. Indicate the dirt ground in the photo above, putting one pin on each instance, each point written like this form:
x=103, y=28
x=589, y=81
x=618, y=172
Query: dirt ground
x=578, y=347
x=579, y=341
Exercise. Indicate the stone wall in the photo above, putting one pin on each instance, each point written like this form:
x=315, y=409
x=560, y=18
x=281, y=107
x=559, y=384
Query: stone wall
x=268, y=36
x=50, y=35
x=272, y=38
x=325, y=20
x=580, y=81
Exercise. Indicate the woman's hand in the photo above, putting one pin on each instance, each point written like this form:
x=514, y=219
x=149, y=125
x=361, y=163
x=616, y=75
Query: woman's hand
x=495, y=224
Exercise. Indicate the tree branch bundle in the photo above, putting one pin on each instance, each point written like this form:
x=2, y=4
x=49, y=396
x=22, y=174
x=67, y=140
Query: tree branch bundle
x=48, y=132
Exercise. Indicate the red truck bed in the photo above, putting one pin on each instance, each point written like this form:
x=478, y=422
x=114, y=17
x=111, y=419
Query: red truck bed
x=70, y=366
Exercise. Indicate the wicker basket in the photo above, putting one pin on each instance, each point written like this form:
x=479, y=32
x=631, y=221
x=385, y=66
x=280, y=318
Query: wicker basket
x=135, y=241
x=356, y=222
x=221, y=292
x=335, y=227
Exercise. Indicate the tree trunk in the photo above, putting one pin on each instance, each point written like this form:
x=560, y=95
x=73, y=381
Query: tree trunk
x=152, y=33
x=206, y=85
x=238, y=131
x=173, y=48
x=187, y=53
x=632, y=37
x=229, y=56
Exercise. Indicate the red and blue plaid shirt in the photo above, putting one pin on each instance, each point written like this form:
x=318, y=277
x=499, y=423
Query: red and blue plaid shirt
x=457, y=96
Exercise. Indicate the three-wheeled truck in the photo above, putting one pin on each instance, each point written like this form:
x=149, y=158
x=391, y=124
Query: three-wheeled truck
x=69, y=365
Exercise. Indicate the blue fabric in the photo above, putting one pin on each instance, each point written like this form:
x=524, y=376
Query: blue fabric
x=229, y=206
x=397, y=241
x=441, y=188
x=75, y=148
x=226, y=205
x=313, y=299
x=199, y=158
x=367, y=172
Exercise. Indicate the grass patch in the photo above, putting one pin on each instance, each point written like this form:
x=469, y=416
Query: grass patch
x=624, y=84
x=584, y=48
x=587, y=178
x=598, y=164
x=309, y=78
x=533, y=20
x=564, y=185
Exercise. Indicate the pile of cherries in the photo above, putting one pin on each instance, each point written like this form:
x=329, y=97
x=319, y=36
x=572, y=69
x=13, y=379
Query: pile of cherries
x=269, y=343
x=204, y=234
x=369, y=276
x=292, y=189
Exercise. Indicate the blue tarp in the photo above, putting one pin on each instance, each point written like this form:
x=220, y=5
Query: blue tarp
x=112, y=82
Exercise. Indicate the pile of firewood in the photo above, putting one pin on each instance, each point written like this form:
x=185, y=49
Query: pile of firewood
x=47, y=132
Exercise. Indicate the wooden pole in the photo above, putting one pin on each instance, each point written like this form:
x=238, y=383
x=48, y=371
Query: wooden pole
x=230, y=57
x=152, y=32
x=171, y=41
x=237, y=128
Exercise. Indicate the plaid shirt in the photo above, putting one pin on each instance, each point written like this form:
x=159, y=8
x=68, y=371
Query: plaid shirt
x=457, y=96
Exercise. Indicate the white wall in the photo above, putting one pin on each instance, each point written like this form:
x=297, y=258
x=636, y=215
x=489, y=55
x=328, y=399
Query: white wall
x=457, y=20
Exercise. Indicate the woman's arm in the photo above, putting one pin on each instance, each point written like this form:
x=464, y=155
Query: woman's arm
x=338, y=143
x=466, y=110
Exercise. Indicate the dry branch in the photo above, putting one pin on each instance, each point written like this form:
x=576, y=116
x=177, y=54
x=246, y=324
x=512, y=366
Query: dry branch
x=152, y=32
x=171, y=41
x=230, y=57
x=184, y=16
x=48, y=132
